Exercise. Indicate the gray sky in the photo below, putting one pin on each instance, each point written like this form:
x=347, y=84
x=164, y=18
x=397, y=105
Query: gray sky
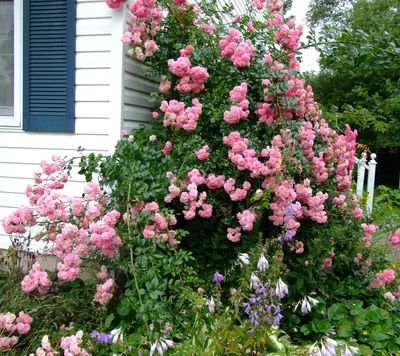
x=310, y=56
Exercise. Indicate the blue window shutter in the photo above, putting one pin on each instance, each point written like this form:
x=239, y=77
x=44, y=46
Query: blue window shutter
x=49, y=65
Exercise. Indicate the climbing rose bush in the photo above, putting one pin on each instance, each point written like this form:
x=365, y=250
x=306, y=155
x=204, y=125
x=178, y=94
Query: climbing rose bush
x=228, y=220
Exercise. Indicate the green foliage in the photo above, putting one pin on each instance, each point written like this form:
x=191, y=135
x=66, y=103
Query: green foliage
x=164, y=286
x=70, y=302
x=358, y=49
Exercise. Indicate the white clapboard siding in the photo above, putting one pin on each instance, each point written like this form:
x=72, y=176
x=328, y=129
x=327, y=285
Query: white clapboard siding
x=137, y=89
x=21, y=170
x=34, y=156
x=21, y=152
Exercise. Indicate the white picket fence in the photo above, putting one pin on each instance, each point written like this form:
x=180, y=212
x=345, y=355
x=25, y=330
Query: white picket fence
x=362, y=165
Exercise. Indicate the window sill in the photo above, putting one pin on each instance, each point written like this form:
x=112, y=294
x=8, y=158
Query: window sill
x=10, y=121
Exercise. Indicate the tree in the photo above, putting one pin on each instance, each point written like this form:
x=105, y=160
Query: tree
x=359, y=81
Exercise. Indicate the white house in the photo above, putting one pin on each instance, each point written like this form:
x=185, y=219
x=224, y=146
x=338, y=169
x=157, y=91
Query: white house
x=65, y=81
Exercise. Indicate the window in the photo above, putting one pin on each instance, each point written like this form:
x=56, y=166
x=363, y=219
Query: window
x=6, y=58
x=37, y=64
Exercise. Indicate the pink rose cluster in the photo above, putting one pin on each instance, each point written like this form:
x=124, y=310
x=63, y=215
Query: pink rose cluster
x=296, y=93
x=234, y=234
x=245, y=158
x=165, y=86
x=18, y=221
x=45, y=349
x=271, y=5
x=247, y=219
x=349, y=205
x=157, y=225
x=307, y=135
x=75, y=226
x=145, y=24
x=240, y=111
x=104, y=235
x=72, y=345
x=167, y=148
x=10, y=323
x=297, y=246
x=193, y=200
x=394, y=239
x=240, y=53
x=208, y=28
x=105, y=291
x=54, y=179
x=236, y=194
x=177, y=115
x=202, y=153
x=384, y=278
x=338, y=157
x=193, y=78
x=288, y=36
x=36, y=279
x=369, y=230
x=115, y=4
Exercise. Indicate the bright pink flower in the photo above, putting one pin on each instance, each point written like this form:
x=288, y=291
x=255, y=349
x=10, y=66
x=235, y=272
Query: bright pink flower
x=202, y=154
x=19, y=221
x=164, y=88
x=179, y=67
x=394, y=239
x=71, y=345
x=234, y=235
x=36, y=279
x=327, y=263
x=246, y=219
x=104, y=292
x=208, y=28
x=389, y=296
x=167, y=148
x=115, y=4
x=384, y=278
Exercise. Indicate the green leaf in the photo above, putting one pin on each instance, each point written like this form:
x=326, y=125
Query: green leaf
x=372, y=316
x=357, y=307
x=305, y=329
x=299, y=283
x=109, y=320
x=393, y=348
x=336, y=312
x=123, y=309
x=344, y=329
x=377, y=336
x=323, y=326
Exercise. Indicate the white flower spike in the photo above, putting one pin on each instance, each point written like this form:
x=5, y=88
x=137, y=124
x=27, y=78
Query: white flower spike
x=254, y=281
x=211, y=305
x=281, y=289
x=244, y=259
x=262, y=264
x=117, y=336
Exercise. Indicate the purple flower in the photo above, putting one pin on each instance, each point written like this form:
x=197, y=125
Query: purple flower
x=218, y=278
x=260, y=307
x=94, y=334
x=290, y=210
x=288, y=236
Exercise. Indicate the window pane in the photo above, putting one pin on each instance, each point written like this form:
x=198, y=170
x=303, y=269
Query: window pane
x=6, y=58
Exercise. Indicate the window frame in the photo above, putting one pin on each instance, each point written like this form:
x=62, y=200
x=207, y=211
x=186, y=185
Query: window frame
x=15, y=121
